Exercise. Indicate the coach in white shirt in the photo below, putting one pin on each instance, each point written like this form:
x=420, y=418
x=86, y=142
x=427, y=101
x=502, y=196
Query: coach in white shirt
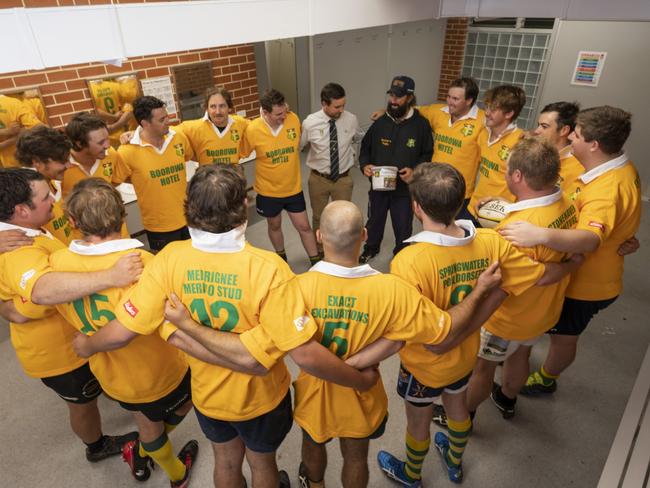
x=330, y=133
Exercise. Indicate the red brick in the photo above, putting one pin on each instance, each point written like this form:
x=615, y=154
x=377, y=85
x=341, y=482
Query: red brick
x=12, y=3
x=232, y=86
x=126, y=67
x=49, y=100
x=189, y=58
x=152, y=73
x=66, y=108
x=92, y=72
x=52, y=88
x=248, y=49
x=55, y=121
x=239, y=76
x=246, y=83
x=143, y=64
x=83, y=105
x=206, y=56
x=221, y=62
x=167, y=61
x=222, y=80
x=40, y=3
x=237, y=59
x=247, y=66
x=69, y=74
x=6, y=83
x=99, y=2
x=251, y=98
x=242, y=92
x=76, y=84
x=230, y=69
x=28, y=80
x=72, y=96
x=227, y=52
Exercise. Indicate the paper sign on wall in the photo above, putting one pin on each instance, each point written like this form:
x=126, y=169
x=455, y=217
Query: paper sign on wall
x=589, y=67
x=161, y=87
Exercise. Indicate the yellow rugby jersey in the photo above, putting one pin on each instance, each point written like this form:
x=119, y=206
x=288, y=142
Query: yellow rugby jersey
x=59, y=226
x=13, y=111
x=457, y=143
x=35, y=104
x=609, y=200
x=147, y=368
x=535, y=311
x=106, y=94
x=445, y=269
x=159, y=179
x=103, y=168
x=211, y=146
x=277, y=167
x=353, y=307
x=570, y=169
x=491, y=172
x=43, y=345
x=129, y=89
x=237, y=288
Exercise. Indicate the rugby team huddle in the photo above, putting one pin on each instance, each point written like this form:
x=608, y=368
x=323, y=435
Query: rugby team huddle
x=208, y=319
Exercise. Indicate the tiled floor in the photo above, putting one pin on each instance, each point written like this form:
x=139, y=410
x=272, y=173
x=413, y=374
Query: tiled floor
x=555, y=442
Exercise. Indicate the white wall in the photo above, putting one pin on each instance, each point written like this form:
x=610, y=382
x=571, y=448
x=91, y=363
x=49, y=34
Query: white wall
x=365, y=60
x=624, y=82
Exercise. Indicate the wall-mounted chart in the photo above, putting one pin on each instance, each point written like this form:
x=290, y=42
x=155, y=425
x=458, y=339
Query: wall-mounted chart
x=589, y=67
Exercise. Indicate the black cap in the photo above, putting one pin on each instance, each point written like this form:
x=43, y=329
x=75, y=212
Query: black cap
x=402, y=85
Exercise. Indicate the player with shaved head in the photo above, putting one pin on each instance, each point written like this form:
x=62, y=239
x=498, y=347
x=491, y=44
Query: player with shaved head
x=355, y=306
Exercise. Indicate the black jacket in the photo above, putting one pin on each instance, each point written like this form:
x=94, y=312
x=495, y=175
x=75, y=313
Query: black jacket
x=404, y=144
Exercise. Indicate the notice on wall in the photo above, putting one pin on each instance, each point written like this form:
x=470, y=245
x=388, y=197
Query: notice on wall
x=161, y=87
x=589, y=67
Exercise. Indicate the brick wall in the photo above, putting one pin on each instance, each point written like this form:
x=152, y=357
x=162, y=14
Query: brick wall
x=452, y=54
x=192, y=79
x=65, y=91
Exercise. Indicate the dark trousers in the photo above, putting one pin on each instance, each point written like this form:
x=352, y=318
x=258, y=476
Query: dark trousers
x=401, y=217
x=464, y=214
x=158, y=240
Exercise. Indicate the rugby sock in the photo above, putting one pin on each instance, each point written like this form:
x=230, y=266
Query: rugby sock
x=282, y=254
x=161, y=451
x=459, y=433
x=547, y=378
x=416, y=451
x=503, y=399
x=96, y=446
x=314, y=259
x=172, y=422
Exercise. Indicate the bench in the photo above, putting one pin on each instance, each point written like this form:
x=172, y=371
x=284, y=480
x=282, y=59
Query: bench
x=629, y=458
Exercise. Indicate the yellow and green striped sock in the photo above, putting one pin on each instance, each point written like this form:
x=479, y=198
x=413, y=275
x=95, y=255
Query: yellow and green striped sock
x=162, y=452
x=459, y=433
x=547, y=377
x=416, y=451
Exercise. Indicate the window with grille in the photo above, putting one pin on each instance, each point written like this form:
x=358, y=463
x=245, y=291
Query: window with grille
x=499, y=56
